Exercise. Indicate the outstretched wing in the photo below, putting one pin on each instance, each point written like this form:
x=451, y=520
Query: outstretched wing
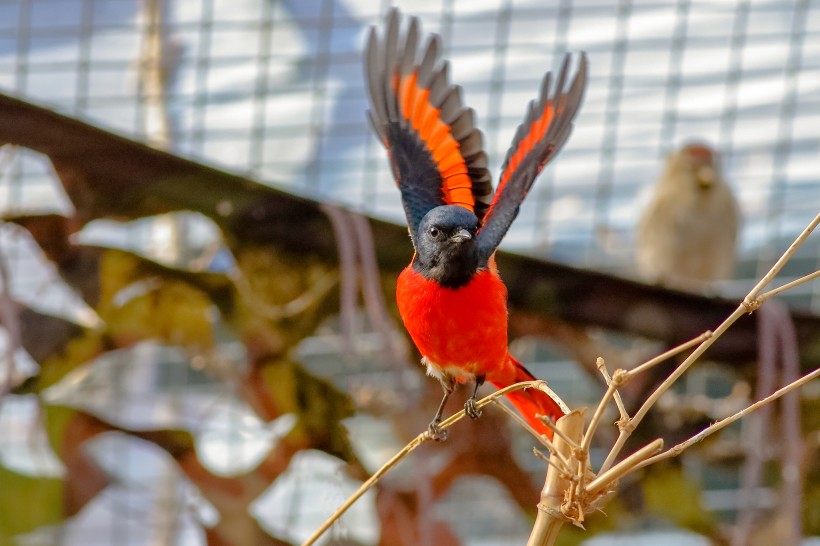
x=546, y=128
x=435, y=150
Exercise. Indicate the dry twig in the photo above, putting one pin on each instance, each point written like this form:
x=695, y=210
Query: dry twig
x=750, y=304
x=582, y=499
x=415, y=443
x=601, y=365
x=723, y=423
x=551, y=508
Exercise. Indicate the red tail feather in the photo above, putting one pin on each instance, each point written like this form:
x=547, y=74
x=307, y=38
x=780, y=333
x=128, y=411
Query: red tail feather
x=528, y=402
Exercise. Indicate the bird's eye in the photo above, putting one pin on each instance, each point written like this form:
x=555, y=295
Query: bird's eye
x=434, y=232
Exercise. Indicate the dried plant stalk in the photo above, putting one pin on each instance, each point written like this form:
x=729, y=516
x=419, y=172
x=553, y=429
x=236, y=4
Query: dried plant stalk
x=416, y=442
x=624, y=467
x=550, y=516
x=601, y=365
x=788, y=286
x=749, y=305
x=723, y=423
x=663, y=357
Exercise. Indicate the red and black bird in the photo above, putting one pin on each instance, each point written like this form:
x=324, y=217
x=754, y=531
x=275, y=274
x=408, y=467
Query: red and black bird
x=451, y=298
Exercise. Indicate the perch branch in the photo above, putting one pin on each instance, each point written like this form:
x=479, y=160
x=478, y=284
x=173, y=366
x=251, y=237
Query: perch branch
x=409, y=448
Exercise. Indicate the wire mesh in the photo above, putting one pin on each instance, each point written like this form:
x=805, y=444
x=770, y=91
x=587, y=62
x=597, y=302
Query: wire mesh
x=275, y=89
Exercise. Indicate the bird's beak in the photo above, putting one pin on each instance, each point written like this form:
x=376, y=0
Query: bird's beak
x=461, y=235
x=706, y=176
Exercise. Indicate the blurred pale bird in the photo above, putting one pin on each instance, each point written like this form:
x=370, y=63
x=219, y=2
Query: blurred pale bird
x=688, y=231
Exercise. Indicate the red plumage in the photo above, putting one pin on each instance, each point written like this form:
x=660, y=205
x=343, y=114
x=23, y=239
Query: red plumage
x=462, y=333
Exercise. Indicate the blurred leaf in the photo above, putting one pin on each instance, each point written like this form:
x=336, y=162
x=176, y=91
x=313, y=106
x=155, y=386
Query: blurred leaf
x=56, y=420
x=282, y=386
x=136, y=306
x=670, y=493
x=68, y=430
x=78, y=350
x=43, y=335
x=76, y=264
x=281, y=299
x=27, y=503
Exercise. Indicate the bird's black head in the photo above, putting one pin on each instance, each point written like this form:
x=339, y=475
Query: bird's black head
x=446, y=246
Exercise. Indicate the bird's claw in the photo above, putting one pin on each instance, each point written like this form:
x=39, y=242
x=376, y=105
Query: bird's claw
x=437, y=433
x=473, y=411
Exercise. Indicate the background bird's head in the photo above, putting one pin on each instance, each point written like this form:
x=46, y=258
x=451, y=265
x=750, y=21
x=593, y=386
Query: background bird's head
x=446, y=246
x=696, y=165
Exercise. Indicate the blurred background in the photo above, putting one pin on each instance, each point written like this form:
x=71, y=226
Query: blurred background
x=146, y=434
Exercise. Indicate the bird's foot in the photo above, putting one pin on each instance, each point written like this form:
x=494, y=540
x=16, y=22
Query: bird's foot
x=437, y=433
x=473, y=411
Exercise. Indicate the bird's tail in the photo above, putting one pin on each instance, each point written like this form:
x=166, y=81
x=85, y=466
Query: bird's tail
x=528, y=402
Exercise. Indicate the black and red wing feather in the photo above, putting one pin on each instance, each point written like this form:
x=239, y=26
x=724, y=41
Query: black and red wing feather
x=538, y=139
x=435, y=150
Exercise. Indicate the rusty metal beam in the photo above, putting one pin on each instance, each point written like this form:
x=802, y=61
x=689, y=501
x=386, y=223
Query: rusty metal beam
x=107, y=175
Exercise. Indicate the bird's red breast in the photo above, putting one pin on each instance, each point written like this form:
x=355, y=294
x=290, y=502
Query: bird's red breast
x=460, y=331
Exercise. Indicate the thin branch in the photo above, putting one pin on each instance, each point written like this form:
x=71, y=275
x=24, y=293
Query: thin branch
x=631, y=463
x=346, y=243
x=492, y=398
x=554, y=461
x=596, y=418
x=789, y=285
x=582, y=454
x=628, y=375
x=416, y=442
x=626, y=431
x=409, y=448
x=723, y=423
x=601, y=365
x=750, y=304
x=372, y=291
x=783, y=259
x=551, y=425
x=550, y=446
